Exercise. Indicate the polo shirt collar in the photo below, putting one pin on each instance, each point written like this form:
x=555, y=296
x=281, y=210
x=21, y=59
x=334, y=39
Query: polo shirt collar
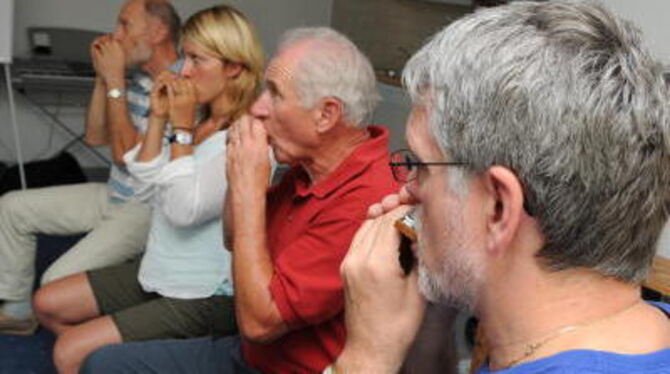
x=354, y=165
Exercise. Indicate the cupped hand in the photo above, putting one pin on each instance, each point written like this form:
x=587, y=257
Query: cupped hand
x=390, y=202
x=109, y=60
x=160, y=104
x=383, y=306
x=248, y=164
x=183, y=102
x=94, y=50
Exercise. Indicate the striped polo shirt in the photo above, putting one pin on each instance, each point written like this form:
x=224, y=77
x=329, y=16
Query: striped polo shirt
x=121, y=185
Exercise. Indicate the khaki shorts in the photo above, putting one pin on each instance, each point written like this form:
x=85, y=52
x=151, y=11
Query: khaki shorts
x=141, y=315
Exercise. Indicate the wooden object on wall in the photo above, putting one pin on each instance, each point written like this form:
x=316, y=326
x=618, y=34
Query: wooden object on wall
x=390, y=31
x=659, y=279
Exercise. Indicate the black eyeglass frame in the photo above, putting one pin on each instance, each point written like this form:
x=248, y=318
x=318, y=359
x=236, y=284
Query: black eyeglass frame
x=410, y=163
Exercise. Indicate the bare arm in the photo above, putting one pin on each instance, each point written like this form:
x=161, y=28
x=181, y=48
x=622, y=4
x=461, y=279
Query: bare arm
x=183, y=103
x=248, y=174
x=122, y=132
x=110, y=66
x=153, y=140
x=96, y=131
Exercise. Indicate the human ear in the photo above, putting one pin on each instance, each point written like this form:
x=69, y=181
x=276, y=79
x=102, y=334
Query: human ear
x=328, y=112
x=158, y=31
x=232, y=69
x=503, y=208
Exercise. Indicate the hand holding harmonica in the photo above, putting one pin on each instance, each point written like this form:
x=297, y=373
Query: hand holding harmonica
x=405, y=225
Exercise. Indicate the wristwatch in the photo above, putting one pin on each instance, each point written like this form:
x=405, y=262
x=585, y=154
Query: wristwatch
x=181, y=137
x=116, y=93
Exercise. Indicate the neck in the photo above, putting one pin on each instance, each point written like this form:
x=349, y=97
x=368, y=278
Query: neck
x=554, y=311
x=335, y=146
x=162, y=57
x=219, y=108
x=210, y=126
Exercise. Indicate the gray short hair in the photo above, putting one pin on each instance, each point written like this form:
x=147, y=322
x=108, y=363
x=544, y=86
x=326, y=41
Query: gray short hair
x=333, y=67
x=564, y=94
x=165, y=12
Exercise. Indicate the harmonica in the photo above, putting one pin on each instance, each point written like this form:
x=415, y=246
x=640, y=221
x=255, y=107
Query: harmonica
x=407, y=228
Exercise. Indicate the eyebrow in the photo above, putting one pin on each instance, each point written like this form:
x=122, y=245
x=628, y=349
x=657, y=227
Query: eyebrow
x=272, y=86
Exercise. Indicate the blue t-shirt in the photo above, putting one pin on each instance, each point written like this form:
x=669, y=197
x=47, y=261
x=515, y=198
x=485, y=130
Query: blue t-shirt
x=595, y=362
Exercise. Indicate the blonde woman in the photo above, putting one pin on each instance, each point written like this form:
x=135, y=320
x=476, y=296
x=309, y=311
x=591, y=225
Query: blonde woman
x=182, y=287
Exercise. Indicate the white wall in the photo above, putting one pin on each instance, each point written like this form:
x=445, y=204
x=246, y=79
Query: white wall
x=651, y=16
x=40, y=139
x=270, y=17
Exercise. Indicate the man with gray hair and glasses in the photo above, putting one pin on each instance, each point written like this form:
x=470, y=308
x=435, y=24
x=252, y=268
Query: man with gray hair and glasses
x=540, y=177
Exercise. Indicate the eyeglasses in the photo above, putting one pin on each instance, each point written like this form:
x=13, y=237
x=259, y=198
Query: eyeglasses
x=404, y=163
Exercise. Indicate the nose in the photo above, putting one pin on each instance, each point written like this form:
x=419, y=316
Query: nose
x=187, y=68
x=118, y=33
x=260, y=108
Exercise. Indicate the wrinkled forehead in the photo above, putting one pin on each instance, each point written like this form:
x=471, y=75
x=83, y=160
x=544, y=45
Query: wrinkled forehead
x=132, y=9
x=279, y=70
x=284, y=65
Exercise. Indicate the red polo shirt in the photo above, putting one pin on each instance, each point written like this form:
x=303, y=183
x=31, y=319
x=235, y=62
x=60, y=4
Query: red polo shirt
x=310, y=229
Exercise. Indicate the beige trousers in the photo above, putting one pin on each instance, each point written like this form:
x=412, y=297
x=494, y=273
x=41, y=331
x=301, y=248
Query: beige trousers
x=115, y=232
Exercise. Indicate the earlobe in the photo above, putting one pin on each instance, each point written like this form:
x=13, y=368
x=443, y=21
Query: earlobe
x=505, y=209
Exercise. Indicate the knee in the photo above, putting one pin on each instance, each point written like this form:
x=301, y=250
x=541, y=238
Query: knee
x=45, y=306
x=67, y=355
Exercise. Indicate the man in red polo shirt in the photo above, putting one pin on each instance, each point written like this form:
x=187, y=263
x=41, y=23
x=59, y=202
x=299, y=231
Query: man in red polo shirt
x=288, y=240
x=288, y=248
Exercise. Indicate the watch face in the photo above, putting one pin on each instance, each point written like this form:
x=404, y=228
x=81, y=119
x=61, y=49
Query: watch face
x=115, y=93
x=183, y=138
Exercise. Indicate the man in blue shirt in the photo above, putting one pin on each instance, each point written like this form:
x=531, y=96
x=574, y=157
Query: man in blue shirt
x=540, y=165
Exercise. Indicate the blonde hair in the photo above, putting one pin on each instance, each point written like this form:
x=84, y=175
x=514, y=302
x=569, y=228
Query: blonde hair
x=225, y=32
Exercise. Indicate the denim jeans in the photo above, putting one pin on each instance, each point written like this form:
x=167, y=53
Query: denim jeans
x=209, y=355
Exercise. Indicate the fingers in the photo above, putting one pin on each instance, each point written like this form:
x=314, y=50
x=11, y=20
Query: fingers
x=234, y=130
x=377, y=241
x=180, y=87
x=258, y=129
x=100, y=40
x=405, y=197
x=165, y=77
x=390, y=202
x=244, y=129
x=360, y=245
x=247, y=130
x=389, y=238
x=103, y=46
